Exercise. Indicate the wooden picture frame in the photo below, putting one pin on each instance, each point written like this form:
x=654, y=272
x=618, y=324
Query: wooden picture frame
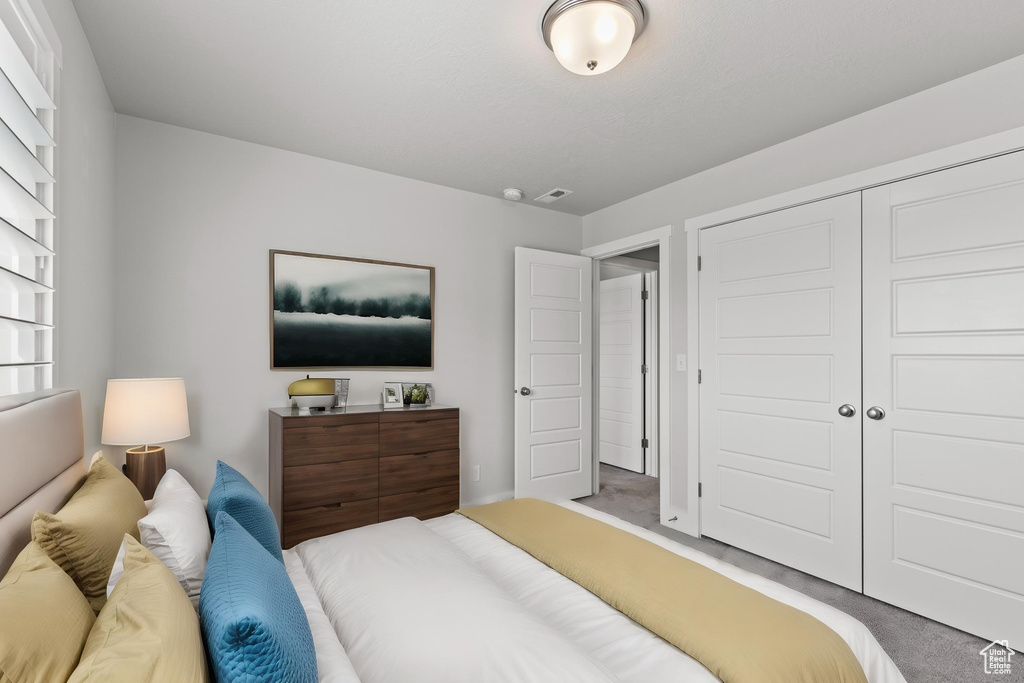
x=377, y=311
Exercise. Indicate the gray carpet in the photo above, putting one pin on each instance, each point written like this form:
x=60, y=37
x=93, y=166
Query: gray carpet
x=925, y=651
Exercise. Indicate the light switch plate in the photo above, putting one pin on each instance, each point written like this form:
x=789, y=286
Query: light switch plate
x=680, y=362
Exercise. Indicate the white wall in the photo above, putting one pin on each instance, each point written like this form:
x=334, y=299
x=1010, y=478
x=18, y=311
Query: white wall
x=196, y=216
x=84, y=337
x=980, y=104
x=621, y=266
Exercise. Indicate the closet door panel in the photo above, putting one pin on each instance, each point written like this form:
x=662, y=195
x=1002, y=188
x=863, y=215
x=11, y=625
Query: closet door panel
x=944, y=358
x=780, y=353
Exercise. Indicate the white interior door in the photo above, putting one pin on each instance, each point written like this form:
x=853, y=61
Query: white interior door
x=621, y=395
x=554, y=349
x=944, y=360
x=651, y=358
x=780, y=465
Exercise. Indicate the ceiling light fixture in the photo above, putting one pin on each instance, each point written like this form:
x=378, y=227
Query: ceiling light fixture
x=590, y=37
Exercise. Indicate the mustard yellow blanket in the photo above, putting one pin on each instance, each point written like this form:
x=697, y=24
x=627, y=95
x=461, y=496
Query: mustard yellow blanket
x=739, y=634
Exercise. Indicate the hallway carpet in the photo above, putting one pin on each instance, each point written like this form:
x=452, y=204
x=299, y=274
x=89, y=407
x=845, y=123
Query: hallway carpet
x=925, y=651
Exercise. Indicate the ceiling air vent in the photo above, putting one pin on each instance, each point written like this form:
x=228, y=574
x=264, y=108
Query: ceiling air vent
x=553, y=196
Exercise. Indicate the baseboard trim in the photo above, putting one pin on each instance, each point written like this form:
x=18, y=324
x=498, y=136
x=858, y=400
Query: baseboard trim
x=494, y=498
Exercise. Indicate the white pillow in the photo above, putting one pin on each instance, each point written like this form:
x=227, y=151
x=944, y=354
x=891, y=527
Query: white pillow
x=177, y=532
x=117, y=570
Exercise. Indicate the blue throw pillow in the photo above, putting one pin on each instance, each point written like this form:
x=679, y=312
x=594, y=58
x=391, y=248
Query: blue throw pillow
x=233, y=494
x=253, y=623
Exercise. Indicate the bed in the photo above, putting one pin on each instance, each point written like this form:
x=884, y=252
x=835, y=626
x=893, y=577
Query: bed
x=442, y=600
x=42, y=459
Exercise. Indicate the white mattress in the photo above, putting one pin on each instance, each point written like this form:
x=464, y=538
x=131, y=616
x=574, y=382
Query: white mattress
x=579, y=620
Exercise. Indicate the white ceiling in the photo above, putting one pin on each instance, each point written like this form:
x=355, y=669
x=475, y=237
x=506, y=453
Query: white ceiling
x=464, y=93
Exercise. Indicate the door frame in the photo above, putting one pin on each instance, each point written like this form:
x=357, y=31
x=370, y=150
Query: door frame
x=661, y=238
x=651, y=353
x=1006, y=142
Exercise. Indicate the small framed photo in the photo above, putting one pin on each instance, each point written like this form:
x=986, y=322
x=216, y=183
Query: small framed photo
x=392, y=395
x=417, y=393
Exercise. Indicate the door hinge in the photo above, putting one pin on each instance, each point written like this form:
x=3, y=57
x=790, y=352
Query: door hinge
x=698, y=263
x=698, y=377
x=645, y=295
x=644, y=443
x=700, y=489
x=644, y=369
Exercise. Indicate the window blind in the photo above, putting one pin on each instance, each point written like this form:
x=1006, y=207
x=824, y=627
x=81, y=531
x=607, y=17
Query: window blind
x=28, y=78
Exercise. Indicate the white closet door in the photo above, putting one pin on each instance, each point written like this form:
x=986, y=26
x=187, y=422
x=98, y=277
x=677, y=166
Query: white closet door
x=944, y=360
x=621, y=337
x=779, y=356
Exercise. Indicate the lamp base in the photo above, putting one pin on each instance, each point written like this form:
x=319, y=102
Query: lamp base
x=145, y=466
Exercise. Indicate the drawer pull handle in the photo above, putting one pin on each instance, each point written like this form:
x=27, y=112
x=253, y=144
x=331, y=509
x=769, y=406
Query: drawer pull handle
x=419, y=454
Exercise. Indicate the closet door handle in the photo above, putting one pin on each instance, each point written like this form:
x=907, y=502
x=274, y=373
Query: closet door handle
x=846, y=410
x=875, y=413
x=525, y=391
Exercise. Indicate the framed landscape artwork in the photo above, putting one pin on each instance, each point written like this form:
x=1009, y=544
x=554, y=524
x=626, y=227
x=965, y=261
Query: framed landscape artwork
x=337, y=312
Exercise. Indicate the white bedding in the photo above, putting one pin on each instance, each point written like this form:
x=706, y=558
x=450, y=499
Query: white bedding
x=633, y=653
x=447, y=600
x=332, y=662
x=408, y=606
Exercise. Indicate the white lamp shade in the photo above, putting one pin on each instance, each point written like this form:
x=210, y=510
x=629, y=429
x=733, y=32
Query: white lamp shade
x=595, y=34
x=145, y=411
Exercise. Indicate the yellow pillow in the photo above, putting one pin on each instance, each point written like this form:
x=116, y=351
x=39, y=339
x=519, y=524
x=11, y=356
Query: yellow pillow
x=83, y=537
x=44, y=620
x=147, y=631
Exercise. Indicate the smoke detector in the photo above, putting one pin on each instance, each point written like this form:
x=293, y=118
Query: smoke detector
x=552, y=196
x=513, y=195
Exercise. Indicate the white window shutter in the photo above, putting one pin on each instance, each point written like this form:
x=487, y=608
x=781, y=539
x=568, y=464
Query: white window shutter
x=28, y=70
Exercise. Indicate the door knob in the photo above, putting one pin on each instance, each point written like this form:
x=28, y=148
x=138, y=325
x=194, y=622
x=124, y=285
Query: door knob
x=525, y=391
x=846, y=410
x=875, y=413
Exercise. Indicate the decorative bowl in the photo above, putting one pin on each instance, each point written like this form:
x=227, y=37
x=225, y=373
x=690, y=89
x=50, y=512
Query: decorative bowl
x=315, y=401
x=311, y=387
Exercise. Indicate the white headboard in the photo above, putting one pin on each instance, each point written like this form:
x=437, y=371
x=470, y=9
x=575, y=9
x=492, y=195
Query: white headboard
x=42, y=461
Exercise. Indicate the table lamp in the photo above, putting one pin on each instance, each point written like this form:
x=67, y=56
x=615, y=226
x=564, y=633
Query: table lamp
x=145, y=411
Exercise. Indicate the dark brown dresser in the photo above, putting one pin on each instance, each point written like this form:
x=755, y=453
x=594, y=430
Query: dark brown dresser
x=349, y=467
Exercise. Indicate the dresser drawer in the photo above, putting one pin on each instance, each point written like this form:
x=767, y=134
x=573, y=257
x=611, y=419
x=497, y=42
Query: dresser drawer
x=418, y=415
x=329, y=443
x=329, y=420
x=419, y=436
x=309, y=486
x=302, y=525
x=421, y=504
x=409, y=473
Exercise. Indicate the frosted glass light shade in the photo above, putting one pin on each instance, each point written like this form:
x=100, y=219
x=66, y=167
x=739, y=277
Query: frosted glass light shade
x=593, y=37
x=144, y=411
